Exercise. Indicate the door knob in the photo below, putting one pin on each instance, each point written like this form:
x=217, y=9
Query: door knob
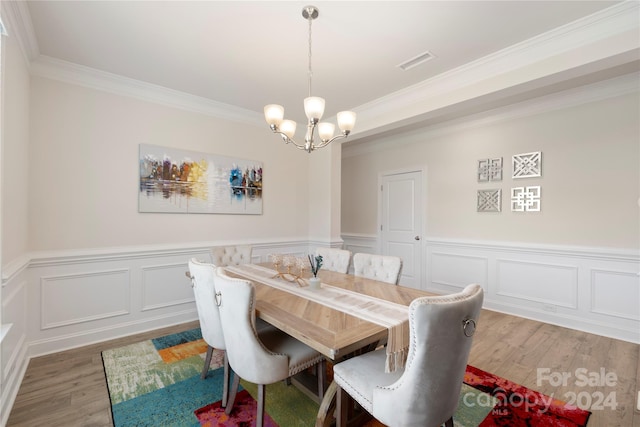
x=417, y=237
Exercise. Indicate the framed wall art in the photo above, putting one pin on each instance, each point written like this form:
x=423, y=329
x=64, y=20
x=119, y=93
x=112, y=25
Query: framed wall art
x=174, y=180
x=490, y=170
x=490, y=200
x=527, y=165
x=525, y=199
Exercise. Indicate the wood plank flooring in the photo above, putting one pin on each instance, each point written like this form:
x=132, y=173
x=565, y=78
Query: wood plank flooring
x=69, y=388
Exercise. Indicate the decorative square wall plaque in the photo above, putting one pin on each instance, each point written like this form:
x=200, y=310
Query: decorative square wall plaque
x=525, y=199
x=489, y=200
x=527, y=165
x=490, y=170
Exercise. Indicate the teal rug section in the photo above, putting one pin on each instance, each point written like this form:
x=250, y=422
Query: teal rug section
x=177, y=339
x=138, y=369
x=146, y=391
x=173, y=405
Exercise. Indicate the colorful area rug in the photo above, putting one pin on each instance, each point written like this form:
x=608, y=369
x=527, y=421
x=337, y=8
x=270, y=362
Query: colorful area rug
x=157, y=383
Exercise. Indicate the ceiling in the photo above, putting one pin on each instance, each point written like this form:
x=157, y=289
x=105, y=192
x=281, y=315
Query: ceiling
x=248, y=54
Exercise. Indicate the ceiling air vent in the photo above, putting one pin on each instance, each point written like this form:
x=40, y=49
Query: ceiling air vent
x=416, y=60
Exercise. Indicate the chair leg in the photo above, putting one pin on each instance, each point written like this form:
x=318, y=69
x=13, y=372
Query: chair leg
x=342, y=402
x=207, y=362
x=225, y=386
x=260, y=411
x=232, y=395
x=449, y=422
x=321, y=372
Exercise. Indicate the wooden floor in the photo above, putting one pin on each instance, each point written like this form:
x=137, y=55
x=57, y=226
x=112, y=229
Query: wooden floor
x=69, y=388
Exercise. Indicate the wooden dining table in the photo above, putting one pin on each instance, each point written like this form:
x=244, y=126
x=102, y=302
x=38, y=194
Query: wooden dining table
x=332, y=332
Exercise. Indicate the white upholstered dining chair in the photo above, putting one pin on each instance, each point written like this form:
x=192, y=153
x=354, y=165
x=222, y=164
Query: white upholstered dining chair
x=265, y=359
x=426, y=392
x=221, y=256
x=231, y=255
x=385, y=268
x=202, y=275
x=334, y=259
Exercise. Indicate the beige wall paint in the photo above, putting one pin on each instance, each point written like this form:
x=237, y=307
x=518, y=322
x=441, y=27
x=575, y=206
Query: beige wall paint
x=15, y=151
x=590, y=182
x=83, y=189
x=324, y=194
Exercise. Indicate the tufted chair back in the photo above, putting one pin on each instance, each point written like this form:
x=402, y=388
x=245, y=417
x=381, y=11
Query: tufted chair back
x=384, y=268
x=202, y=278
x=204, y=293
x=335, y=259
x=222, y=256
x=427, y=391
x=259, y=357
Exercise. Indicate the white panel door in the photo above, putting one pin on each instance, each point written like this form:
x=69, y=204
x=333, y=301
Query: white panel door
x=401, y=226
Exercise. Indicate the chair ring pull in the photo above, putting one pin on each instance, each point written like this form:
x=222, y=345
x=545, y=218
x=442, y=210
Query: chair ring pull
x=218, y=299
x=468, y=327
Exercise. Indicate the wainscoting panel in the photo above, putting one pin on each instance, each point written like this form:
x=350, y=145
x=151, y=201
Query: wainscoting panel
x=361, y=243
x=455, y=271
x=590, y=289
x=84, y=297
x=14, y=344
x=615, y=293
x=75, y=298
x=165, y=286
x=14, y=308
x=596, y=290
x=534, y=281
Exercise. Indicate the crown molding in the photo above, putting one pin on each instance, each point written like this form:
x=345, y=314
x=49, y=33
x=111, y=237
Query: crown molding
x=614, y=21
x=69, y=72
x=20, y=25
x=618, y=86
x=18, y=22
x=618, y=20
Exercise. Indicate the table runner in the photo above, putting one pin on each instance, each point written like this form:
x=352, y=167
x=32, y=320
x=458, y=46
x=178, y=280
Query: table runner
x=393, y=316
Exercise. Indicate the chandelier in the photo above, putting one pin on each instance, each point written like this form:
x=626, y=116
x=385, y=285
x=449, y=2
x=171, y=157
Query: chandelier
x=313, y=108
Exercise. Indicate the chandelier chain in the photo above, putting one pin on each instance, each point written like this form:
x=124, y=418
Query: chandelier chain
x=310, y=70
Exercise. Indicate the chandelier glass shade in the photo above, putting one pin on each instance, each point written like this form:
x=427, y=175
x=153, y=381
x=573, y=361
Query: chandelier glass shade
x=313, y=108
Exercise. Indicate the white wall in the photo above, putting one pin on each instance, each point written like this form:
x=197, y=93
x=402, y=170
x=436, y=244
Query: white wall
x=15, y=167
x=83, y=189
x=576, y=263
x=14, y=225
x=590, y=181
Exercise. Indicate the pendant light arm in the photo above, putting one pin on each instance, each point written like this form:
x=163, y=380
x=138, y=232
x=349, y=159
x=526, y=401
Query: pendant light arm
x=285, y=137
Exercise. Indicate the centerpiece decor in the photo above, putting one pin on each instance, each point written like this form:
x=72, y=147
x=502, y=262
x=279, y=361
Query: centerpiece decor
x=315, y=263
x=291, y=264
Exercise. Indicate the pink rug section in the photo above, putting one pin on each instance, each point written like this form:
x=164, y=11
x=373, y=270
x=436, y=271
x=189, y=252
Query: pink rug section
x=242, y=415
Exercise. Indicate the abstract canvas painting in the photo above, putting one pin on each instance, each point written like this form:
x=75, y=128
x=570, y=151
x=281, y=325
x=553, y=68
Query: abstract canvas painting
x=173, y=180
